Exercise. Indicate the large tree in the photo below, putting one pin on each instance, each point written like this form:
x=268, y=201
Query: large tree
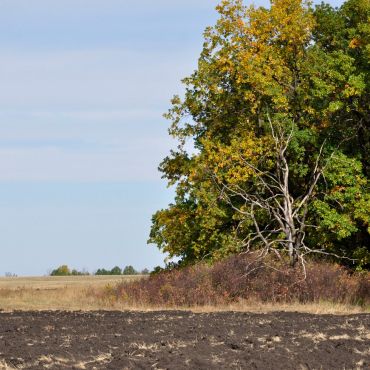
x=278, y=111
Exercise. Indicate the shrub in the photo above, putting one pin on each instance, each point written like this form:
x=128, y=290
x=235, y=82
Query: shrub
x=245, y=277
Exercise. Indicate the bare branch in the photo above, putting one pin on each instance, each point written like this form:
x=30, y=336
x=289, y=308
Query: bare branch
x=269, y=195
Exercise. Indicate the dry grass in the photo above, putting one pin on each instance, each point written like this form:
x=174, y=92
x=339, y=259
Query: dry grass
x=56, y=292
x=41, y=294
x=248, y=284
x=313, y=308
x=90, y=293
x=319, y=308
x=57, y=282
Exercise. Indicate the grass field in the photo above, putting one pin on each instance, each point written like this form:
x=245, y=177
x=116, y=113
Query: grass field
x=56, y=292
x=57, y=282
x=84, y=292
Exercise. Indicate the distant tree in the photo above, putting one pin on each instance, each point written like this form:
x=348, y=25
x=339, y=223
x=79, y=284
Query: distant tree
x=79, y=273
x=102, y=272
x=144, y=272
x=62, y=270
x=129, y=270
x=116, y=271
x=10, y=274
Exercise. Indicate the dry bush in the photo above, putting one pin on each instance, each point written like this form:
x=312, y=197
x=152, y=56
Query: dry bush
x=244, y=277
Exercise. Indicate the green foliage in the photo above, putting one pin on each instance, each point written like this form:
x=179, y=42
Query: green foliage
x=75, y=272
x=64, y=270
x=157, y=270
x=129, y=270
x=102, y=272
x=307, y=69
x=116, y=271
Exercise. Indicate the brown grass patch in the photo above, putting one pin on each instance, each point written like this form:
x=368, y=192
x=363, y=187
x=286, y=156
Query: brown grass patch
x=242, y=281
x=56, y=292
x=226, y=286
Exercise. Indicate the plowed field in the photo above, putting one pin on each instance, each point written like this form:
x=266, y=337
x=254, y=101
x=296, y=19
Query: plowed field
x=182, y=340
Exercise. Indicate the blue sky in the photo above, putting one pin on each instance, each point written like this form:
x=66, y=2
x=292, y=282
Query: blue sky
x=83, y=87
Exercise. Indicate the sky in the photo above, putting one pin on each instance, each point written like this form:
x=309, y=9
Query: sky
x=83, y=86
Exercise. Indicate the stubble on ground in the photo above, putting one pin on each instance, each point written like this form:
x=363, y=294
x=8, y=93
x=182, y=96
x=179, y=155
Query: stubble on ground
x=182, y=340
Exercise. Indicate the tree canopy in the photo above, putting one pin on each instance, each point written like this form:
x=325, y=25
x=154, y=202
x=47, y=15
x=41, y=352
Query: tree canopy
x=64, y=270
x=278, y=112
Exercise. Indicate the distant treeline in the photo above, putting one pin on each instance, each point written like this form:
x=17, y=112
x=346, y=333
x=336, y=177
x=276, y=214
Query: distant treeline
x=128, y=270
x=64, y=270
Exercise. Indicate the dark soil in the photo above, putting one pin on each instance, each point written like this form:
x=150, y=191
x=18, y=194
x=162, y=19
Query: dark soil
x=183, y=340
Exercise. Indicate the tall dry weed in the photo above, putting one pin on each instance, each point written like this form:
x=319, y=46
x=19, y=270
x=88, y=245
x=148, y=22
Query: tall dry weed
x=243, y=277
